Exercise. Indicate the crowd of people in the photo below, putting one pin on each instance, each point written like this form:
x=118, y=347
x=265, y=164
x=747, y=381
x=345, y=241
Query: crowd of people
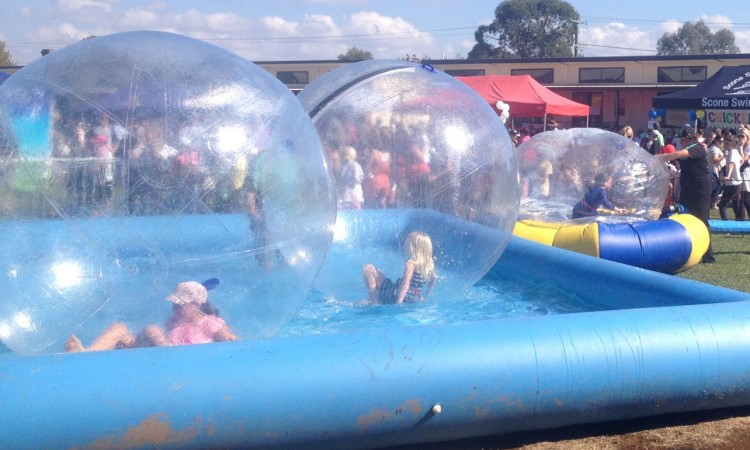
x=730, y=163
x=380, y=164
x=156, y=165
x=727, y=154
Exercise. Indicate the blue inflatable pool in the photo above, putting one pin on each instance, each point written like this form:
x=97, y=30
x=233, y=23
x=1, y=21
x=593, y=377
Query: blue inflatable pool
x=655, y=345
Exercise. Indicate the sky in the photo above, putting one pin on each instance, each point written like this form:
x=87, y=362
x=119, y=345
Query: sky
x=278, y=30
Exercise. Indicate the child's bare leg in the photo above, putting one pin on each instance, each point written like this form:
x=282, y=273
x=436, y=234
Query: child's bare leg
x=73, y=344
x=155, y=336
x=372, y=277
x=116, y=336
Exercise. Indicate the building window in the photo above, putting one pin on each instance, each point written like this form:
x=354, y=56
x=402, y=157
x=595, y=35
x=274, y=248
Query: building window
x=595, y=100
x=683, y=74
x=544, y=76
x=465, y=72
x=293, y=77
x=602, y=75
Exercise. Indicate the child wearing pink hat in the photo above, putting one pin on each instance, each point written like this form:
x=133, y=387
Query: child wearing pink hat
x=193, y=321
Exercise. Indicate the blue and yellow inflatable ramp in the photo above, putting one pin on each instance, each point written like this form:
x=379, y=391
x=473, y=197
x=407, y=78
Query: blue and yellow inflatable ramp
x=668, y=245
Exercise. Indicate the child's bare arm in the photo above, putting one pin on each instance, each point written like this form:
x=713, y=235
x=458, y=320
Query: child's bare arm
x=405, y=280
x=431, y=283
x=225, y=334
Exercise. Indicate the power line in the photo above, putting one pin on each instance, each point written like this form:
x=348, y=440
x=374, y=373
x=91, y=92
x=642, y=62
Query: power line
x=650, y=50
x=455, y=31
x=655, y=22
x=396, y=35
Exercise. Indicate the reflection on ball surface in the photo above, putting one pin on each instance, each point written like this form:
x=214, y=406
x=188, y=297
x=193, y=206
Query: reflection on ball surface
x=134, y=161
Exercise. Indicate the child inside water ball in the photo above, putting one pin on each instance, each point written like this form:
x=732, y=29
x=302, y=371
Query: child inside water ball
x=596, y=197
x=194, y=320
x=419, y=269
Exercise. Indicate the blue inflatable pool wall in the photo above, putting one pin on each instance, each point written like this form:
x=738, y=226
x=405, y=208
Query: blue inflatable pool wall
x=661, y=345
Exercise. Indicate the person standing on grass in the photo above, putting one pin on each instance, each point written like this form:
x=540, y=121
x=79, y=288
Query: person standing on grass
x=695, y=180
x=743, y=143
x=718, y=161
x=732, y=181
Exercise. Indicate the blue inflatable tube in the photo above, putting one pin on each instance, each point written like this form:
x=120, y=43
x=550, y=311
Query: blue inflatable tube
x=729, y=226
x=665, y=345
x=668, y=245
x=660, y=245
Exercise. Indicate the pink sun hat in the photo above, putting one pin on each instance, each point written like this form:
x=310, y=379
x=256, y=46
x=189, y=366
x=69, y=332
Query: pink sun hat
x=189, y=292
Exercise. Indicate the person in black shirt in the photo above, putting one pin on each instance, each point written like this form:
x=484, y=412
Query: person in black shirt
x=695, y=180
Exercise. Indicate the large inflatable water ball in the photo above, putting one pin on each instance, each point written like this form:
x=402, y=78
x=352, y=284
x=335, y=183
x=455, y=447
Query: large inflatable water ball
x=558, y=168
x=412, y=149
x=132, y=162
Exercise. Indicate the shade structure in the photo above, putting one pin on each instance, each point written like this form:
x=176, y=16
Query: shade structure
x=526, y=96
x=728, y=88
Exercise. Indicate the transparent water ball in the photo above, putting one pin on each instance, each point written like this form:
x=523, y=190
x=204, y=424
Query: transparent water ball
x=412, y=149
x=135, y=161
x=557, y=168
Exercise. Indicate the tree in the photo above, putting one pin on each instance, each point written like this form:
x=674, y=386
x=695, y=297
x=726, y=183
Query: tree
x=355, y=54
x=696, y=39
x=528, y=29
x=5, y=58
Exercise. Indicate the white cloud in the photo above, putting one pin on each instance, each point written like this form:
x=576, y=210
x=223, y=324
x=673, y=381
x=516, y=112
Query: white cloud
x=66, y=6
x=387, y=37
x=313, y=36
x=716, y=22
x=465, y=47
x=61, y=32
x=319, y=25
x=616, y=39
x=278, y=26
x=742, y=39
x=140, y=18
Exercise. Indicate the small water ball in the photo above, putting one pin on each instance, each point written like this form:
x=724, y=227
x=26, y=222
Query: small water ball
x=412, y=149
x=557, y=168
x=132, y=162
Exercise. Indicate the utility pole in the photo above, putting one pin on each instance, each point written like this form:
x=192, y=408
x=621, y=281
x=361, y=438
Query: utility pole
x=575, y=37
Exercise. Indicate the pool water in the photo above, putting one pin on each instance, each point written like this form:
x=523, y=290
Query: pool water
x=494, y=297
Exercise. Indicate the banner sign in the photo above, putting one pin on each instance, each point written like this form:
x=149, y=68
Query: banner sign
x=726, y=90
x=734, y=94
x=676, y=118
x=727, y=118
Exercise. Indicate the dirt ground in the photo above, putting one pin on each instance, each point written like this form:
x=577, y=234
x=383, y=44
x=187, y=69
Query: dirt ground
x=709, y=430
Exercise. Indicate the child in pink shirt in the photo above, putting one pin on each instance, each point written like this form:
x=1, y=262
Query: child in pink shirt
x=193, y=321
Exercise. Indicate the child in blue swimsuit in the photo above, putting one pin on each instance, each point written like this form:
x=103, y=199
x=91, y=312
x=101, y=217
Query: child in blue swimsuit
x=419, y=270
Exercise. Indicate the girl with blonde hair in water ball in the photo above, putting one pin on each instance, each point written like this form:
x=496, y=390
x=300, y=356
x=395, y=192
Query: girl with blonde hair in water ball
x=419, y=269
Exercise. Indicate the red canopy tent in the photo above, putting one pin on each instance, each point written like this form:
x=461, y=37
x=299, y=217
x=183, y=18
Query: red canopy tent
x=526, y=96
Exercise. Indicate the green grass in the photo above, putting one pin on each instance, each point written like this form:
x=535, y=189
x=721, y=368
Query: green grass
x=732, y=269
